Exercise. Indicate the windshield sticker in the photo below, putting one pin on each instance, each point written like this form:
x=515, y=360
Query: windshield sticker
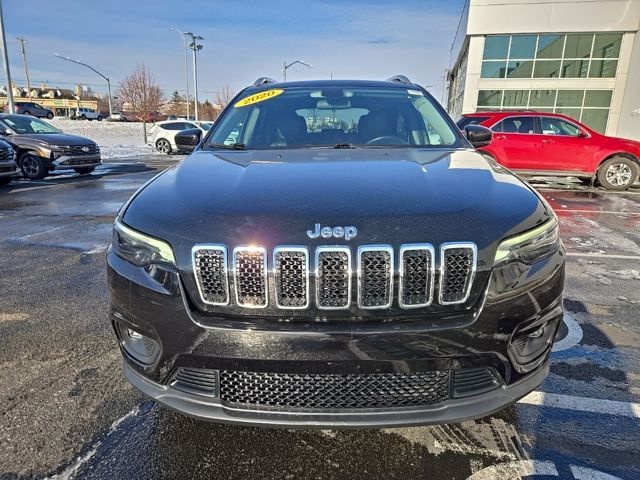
x=415, y=92
x=258, y=97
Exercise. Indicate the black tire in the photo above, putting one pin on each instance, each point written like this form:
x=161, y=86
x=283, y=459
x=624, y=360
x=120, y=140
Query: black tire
x=99, y=118
x=617, y=173
x=83, y=117
x=49, y=116
x=84, y=170
x=32, y=166
x=163, y=146
x=4, y=180
x=26, y=112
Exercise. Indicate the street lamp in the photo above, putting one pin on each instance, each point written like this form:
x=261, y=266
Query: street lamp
x=91, y=68
x=285, y=66
x=193, y=45
x=186, y=64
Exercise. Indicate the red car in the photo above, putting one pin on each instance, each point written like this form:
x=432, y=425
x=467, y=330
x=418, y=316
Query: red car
x=536, y=143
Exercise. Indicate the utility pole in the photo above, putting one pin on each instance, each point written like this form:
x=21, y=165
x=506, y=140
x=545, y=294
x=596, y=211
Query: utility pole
x=186, y=66
x=24, y=60
x=195, y=47
x=5, y=59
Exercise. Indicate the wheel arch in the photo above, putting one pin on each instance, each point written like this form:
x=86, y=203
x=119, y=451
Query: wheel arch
x=623, y=154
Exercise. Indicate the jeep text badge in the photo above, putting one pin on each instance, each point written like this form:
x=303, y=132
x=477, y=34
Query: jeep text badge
x=348, y=232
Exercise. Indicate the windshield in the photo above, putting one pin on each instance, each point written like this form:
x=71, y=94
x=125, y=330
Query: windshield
x=24, y=124
x=334, y=116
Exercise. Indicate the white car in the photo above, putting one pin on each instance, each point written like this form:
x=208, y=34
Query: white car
x=84, y=113
x=161, y=135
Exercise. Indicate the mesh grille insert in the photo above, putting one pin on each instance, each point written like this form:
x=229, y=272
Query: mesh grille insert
x=333, y=280
x=250, y=277
x=210, y=266
x=332, y=391
x=416, y=279
x=375, y=277
x=458, y=268
x=292, y=277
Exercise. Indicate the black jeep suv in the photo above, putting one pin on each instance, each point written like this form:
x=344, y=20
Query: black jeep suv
x=335, y=253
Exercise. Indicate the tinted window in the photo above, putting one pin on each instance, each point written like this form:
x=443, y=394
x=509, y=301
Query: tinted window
x=25, y=125
x=464, y=121
x=522, y=125
x=328, y=116
x=175, y=126
x=558, y=126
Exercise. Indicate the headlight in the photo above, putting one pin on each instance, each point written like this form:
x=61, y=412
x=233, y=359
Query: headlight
x=530, y=246
x=140, y=249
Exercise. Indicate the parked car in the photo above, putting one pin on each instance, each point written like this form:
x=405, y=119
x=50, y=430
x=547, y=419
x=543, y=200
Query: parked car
x=8, y=167
x=161, y=135
x=42, y=148
x=84, y=113
x=31, y=108
x=534, y=143
x=180, y=117
x=118, y=117
x=350, y=260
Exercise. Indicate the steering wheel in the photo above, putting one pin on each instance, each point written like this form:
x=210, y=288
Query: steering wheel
x=387, y=140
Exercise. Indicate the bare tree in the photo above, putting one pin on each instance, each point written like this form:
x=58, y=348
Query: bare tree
x=141, y=94
x=225, y=96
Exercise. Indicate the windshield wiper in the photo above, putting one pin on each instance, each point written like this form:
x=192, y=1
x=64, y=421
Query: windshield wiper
x=343, y=145
x=232, y=146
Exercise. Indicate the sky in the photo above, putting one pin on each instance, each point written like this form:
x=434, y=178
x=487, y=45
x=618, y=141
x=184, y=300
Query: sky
x=242, y=40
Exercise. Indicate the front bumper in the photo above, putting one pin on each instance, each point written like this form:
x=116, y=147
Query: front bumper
x=76, y=161
x=517, y=305
x=453, y=411
x=8, y=169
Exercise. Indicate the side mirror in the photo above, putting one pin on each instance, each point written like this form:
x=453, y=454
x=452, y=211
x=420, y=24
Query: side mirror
x=478, y=135
x=188, y=139
x=583, y=134
x=5, y=132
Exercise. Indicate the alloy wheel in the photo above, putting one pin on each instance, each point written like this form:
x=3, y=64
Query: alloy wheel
x=163, y=146
x=619, y=174
x=30, y=166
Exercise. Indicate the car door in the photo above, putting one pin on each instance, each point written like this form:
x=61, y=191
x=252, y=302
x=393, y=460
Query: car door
x=566, y=147
x=516, y=141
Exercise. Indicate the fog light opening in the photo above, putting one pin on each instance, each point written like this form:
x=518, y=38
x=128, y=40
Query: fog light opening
x=139, y=346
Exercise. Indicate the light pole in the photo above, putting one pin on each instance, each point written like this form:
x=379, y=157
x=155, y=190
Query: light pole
x=22, y=41
x=195, y=47
x=285, y=66
x=186, y=64
x=96, y=71
x=5, y=59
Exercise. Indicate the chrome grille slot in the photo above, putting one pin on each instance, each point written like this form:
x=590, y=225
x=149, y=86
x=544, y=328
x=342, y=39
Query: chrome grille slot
x=332, y=391
x=250, y=276
x=333, y=278
x=291, y=272
x=417, y=274
x=375, y=276
x=456, y=272
x=210, y=267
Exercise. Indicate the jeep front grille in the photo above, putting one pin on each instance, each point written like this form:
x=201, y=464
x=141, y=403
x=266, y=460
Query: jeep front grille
x=210, y=267
x=457, y=272
x=417, y=275
x=250, y=276
x=288, y=391
x=333, y=278
x=375, y=265
x=375, y=276
x=291, y=271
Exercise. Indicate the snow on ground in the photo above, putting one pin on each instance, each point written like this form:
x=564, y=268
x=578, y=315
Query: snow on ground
x=115, y=139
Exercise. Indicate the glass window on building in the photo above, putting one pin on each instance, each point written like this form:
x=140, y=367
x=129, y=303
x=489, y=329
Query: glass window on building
x=571, y=55
x=590, y=107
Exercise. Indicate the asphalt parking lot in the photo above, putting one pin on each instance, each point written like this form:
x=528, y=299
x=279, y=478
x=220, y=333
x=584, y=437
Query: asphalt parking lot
x=67, y=412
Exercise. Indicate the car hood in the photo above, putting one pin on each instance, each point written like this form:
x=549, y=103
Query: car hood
x=51, y=139
x=392, y=196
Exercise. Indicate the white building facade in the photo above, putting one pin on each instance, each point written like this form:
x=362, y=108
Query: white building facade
x=576, y=57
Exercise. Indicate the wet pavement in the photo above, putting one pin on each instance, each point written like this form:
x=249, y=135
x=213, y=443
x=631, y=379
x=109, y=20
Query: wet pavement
x=67, y=412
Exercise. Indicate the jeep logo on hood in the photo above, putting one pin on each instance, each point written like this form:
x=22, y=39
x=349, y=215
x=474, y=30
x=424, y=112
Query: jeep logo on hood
x=348, y=232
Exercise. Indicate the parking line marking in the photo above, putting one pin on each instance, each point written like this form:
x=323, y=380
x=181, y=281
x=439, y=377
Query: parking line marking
x=583, y=404
x=612, y=212
x=603, y=255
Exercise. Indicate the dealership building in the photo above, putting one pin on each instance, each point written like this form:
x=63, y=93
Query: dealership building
x=576, y=57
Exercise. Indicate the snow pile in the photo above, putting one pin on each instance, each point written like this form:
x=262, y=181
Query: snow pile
x=115, y=139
